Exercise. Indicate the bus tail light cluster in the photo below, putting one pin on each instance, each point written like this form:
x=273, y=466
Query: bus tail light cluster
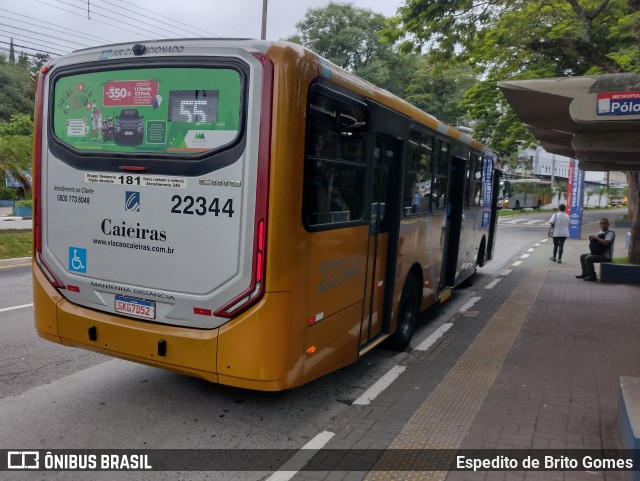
x=257, y=286
x=37, y=181
x=255, y=291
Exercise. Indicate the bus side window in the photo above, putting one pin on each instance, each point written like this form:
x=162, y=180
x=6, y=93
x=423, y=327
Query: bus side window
x=334, y=172
x=474, y=181
x=418, y=178
x=440, y=176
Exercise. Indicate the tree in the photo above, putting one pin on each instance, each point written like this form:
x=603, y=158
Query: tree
x=545, y=192
x=349, y=37
x=511, y=39
x=12, y=52
x=16, y=140
x=343, y=34
x=20, y=124
x=38, y=60
x=599, y=191
x=15, y=158
x=515, y=39
x=16, y=91
x=437, y=87
x=23, y=60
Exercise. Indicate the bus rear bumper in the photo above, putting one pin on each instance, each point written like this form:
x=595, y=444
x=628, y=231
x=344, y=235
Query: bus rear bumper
x=249, y=350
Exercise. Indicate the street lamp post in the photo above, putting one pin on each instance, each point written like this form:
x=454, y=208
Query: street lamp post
x=263, y=35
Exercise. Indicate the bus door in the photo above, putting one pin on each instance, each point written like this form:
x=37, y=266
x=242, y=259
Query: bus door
x=386, y=158
x=455, y=219
x=493, y=220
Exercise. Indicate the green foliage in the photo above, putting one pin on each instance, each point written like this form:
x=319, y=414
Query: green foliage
x=344, y=34
x=23, y=61
x=8, y=193
x=437, y=87
x=514, y=39
x=15, y=157
x=16, y=91
x=392, y=73
x=15, y=148
x=38, y=60
x=515, y=36
x=350, y=38
x=20, y=124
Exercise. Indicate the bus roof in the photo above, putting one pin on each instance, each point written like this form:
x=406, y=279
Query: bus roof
x=326, y=69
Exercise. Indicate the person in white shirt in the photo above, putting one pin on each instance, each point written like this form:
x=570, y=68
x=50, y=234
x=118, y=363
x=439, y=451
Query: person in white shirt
x=560, y=225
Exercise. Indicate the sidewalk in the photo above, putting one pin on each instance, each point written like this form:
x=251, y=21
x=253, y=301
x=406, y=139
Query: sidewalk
x=535, y=363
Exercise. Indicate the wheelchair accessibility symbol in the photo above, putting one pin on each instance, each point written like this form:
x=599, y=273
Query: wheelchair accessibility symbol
x=77, y=259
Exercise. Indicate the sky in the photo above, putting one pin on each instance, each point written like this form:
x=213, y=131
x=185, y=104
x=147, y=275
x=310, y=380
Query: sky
x=60, y=26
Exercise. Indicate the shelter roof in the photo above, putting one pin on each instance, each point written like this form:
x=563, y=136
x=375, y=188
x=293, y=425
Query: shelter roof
x=594, y=119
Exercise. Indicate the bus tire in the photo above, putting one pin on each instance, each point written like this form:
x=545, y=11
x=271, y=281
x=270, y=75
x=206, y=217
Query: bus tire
x=468, y=282
x=408, y=312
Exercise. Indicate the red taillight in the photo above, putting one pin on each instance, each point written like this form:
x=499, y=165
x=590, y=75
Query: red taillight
x=260, y=252
x=257, y=287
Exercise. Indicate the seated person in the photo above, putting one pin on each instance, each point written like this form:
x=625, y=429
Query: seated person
x=603, y=242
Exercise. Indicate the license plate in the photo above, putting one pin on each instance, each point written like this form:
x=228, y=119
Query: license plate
x=128, y=133
x=135, y=307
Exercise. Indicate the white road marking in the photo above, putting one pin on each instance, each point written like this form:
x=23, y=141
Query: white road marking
x=380, y=385
x=302, y=457
x=4, y=309
x=469, y=304
x=437, y=334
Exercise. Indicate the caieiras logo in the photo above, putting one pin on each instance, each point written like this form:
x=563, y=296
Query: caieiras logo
x=108, y=227
x=132, y=201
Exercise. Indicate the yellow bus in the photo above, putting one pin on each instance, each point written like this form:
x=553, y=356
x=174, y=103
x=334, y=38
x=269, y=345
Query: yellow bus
x=244, y=211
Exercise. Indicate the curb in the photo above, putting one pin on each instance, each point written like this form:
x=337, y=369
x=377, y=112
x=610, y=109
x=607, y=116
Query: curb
x=18, y=261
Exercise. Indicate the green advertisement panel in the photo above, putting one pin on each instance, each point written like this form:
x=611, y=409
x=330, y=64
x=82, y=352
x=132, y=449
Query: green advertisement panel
x=160, y=110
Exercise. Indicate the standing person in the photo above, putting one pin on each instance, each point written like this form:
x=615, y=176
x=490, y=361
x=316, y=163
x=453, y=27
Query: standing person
x=601, y=247
x=416, y=201
x=560, y=225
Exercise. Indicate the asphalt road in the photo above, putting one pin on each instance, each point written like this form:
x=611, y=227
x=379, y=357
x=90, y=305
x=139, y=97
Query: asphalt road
x=54, y=397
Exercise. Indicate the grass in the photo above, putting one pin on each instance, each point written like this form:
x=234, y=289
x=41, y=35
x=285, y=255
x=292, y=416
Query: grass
x=510, y=212
x=621, y=260
x=15, y=243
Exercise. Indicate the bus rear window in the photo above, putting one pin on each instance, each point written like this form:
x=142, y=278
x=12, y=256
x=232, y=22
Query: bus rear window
x=169, y=110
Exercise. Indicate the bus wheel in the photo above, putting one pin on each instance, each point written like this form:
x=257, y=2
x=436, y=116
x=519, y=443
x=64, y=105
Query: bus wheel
x=408, y=312
x=468, y=282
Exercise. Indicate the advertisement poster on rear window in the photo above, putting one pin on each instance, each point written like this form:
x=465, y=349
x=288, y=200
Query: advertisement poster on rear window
x=162, y=110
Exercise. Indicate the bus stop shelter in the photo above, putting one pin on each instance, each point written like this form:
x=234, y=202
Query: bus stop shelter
x=594, y=119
